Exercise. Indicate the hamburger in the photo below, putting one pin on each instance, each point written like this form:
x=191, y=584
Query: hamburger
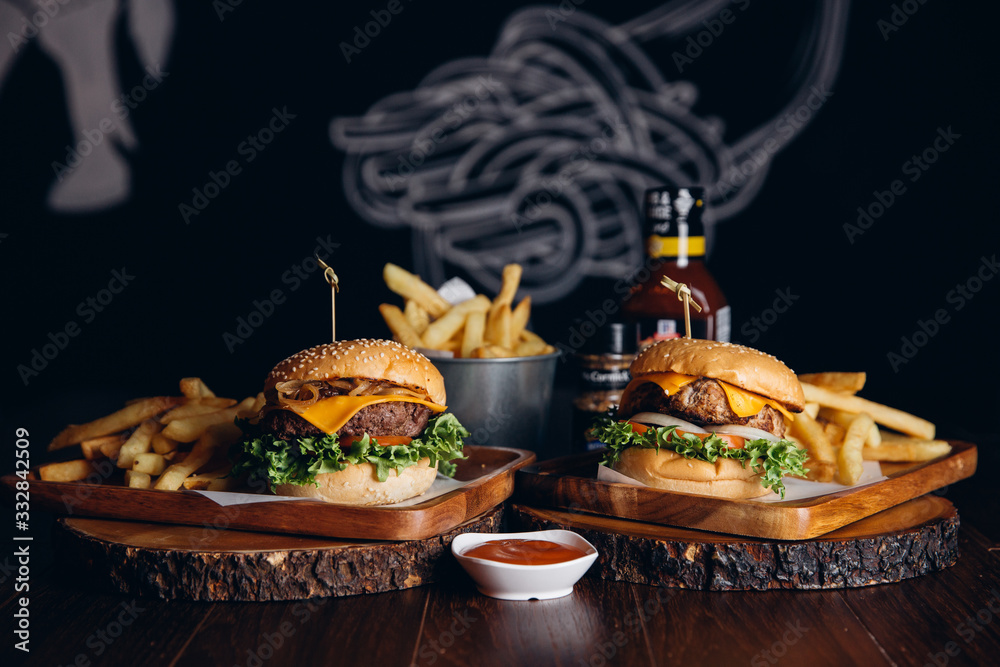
x=354, y=422
x=707, y=418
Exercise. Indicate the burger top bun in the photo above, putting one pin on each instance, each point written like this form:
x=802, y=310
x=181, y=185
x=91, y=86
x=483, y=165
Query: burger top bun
x=358, y=485
x=740, y=366
x=670, y=471
x=370, y=358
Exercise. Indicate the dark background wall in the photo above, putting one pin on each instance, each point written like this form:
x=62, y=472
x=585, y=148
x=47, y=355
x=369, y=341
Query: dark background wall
x=853, y=305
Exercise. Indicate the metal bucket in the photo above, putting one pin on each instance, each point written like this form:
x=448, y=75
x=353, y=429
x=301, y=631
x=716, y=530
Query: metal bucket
x=503, y=402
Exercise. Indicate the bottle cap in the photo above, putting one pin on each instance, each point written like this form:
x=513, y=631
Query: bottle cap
x=613, y=338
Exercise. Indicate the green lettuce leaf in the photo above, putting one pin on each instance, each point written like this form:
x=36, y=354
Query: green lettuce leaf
x=772, y=459
x=298, y=462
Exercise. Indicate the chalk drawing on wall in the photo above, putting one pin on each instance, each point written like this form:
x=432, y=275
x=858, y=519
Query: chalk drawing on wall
x=78, y=35
x=539, y=152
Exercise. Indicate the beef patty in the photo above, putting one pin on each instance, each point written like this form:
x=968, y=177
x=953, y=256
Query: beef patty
x=390, y=418
x=700, y=402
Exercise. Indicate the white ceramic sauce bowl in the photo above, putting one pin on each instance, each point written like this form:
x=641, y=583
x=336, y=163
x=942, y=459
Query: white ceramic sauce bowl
x=508, y=581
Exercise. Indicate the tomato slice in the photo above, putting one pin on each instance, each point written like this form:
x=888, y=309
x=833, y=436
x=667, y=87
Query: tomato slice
x=384, y=440
x=732, y=441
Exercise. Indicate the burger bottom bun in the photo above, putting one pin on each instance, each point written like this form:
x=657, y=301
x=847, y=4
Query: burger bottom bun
x=670, y=471
x=357, y=485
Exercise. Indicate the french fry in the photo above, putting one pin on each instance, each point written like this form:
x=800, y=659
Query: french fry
x=442, y=329
x=137, y=443
x=410, y=286
x=849, y=458
x=845, y=419
x=96, y=448
x=835, y=432
x=416, y=316
x=129, y=416
x=511, y=280
x=531, y=336
x=812, y=409
x=819, y=471
x=66, y=471
x=214, y=480
x=808, y=431
x=910, y=449
x=519, y=318
x=492, y=352
x=150, y=463
x=195, y=388
x=883, y=414
x=848, y=383
x=211, y=440
x=137, y=480
x=197, y=406
x=190, y=429
x=530, y=348
x=399, y=326
x=475, y=325
x=161, y=444
x=498, y=326
x=254, y=408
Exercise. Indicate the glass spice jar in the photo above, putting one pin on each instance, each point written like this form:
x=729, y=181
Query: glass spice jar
x=603, y=374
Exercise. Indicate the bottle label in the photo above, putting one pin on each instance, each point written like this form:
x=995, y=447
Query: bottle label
x=723, y=325
x=675, y=246
x=592, y=379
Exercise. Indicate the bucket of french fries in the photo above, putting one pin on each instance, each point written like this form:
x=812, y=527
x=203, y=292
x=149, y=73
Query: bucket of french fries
x=499, y=375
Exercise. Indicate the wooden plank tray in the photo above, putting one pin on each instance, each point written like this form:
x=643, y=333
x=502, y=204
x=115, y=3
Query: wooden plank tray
x=570, y=483
x=489, y=471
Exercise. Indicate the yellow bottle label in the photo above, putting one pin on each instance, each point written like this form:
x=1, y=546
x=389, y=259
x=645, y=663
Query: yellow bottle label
x=675, y=246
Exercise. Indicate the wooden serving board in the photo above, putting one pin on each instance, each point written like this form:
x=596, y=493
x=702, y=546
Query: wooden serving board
x=570, y=483
x=187, y=562
x=914, y=538
x=489, y=471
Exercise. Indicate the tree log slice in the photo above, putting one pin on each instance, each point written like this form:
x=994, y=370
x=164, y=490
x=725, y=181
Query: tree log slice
x=909, y=540
x=183, y=562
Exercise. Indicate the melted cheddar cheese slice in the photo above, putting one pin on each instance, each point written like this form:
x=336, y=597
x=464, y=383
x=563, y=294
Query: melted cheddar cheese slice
x=330, y=414
x=743, y=403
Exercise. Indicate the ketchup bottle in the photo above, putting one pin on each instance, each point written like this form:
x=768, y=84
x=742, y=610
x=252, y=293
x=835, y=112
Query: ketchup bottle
x=675, y=247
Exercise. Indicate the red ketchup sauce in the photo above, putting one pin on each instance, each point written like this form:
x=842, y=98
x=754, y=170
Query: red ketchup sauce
x=525, y=552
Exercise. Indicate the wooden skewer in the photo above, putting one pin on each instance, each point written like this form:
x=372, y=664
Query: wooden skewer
x=683, y=294
x=331, y=277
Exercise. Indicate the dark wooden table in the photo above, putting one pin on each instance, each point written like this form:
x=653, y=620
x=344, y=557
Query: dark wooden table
x=952, y=617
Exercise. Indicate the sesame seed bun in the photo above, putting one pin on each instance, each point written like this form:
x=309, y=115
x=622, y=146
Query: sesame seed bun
x=670, y=471
x=358, y=485
x=370, y=358
x=740, y=366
